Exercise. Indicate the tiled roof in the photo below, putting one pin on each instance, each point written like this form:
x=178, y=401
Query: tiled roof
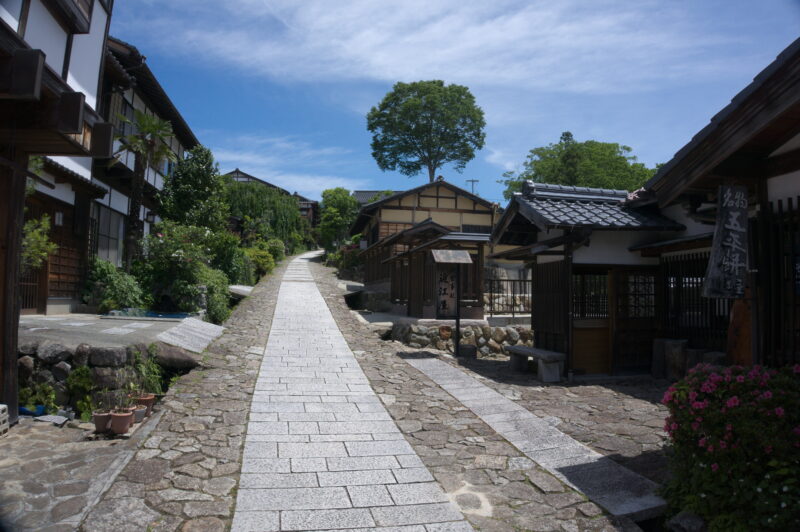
x=565, y=206
x=367, y=196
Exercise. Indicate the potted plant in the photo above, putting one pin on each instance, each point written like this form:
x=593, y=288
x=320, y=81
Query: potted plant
x=121, y=416
x=101, y=413
x=150, y=378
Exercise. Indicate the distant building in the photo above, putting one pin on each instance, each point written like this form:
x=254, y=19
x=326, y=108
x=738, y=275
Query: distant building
x=368, y=196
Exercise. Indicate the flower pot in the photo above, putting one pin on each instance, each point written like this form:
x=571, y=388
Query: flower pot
x=148, y=400
x=138, y=413
x=102, y=421
x=121, y=422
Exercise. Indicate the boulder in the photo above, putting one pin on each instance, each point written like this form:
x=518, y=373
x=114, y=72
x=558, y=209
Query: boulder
x=495, y=347
x=468, y=339
x=28, y=348
x=419, y=339
x=525, y=334
x=487, y=331
x=481, y=341
x=44, y=376
x=445, y=332
x=108, y=357
x=499, y=335
x=61, y=371
x=485, y=351
x=171, y=357
x=134, y=349
x=478, y=331
x=511, y=335
x=51, y=353
x=25, y=368
x=81, y=356
x=61, y=393
x=433, y=333
x=110, y=378
x=419, y=329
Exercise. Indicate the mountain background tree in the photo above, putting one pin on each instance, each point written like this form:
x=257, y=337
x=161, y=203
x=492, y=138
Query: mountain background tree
x=425, y=125
x=584, y=164
x=266, y=213
x=149, y=143
x=338, y=211
x=195, y=192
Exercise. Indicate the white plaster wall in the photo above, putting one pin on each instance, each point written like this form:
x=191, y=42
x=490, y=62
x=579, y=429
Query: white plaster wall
x=80, y=165
x=118, y=201
x=62, y=191
x=611, y=247
x=44, y=33
x=87, y=52
x=784, y=186
x=678, y=213
x=9, y=13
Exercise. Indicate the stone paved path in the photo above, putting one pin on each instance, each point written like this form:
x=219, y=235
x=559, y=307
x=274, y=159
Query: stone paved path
x=321, y=451
x=617, y=489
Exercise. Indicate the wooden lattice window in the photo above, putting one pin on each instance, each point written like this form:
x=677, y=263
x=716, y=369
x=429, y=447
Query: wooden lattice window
x=637, y=296
x=590, y=296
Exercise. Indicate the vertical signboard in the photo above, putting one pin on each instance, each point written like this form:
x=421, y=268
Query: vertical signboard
x=727, y=267
x=446, y=291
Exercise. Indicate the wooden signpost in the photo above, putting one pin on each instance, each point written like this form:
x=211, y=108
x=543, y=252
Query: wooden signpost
x=726, y=275
x=456, y=257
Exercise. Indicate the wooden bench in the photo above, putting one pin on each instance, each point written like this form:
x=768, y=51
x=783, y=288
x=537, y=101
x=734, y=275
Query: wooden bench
x=550, y=364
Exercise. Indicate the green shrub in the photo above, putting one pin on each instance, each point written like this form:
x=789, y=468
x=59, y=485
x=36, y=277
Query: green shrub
x=38, y=394
x=217, y=297
x=276, y=249
x=261, y=259
x=736, y=447
x=36, y=243
x=109, y=288
x=80, y=387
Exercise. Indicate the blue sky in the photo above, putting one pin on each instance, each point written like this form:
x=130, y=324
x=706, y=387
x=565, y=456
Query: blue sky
x=281, y=88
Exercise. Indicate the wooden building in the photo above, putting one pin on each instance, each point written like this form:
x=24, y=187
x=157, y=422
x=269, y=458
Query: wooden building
x=309, y=209
x=592, y=298
x=444, y=203
x=51, y=56
x=753, y=142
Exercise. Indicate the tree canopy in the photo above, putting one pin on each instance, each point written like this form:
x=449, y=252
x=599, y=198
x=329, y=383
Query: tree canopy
x=265, y=212
x=195, y=192
x=425, y=124
x=338, y=211
x=586, y=164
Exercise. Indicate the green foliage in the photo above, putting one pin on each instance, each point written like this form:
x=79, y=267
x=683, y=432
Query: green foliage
x=110, y=288
x=276, y=249
x=80, y=386
x=36, y=243
x=425, y=124
x=217, y=297
x=261, y=259
x=150, y=375
x=338, y=211
x=38, y=394
x=380, y=195
x=195, y=192
x=584, y=164
x=265, y=212
x=735, y=437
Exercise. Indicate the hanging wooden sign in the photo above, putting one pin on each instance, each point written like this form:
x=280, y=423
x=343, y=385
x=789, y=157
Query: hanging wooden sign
x=726, y=275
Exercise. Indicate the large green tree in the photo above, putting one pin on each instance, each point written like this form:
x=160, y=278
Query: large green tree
x=425, y=124
x=265, y=212
x=195, y=192
x=149, y=144
x=586, y=164
x=338, y=211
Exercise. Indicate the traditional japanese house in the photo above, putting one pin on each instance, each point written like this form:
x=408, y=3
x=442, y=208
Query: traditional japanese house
x=51, y=55
x=592, y=298
x=753, y=143
x=309, y=209
x=436, y=215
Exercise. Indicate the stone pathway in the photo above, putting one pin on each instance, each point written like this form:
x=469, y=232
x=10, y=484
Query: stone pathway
x=321, y=451
x=497, y=488
x=617, y=489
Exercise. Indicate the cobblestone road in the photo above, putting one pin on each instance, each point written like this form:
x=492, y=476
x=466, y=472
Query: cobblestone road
x=321, y=451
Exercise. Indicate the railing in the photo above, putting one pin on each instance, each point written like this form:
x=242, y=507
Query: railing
x=507, y=296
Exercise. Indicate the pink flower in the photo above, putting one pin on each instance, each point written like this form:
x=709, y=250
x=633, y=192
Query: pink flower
x=740, y=378
x=695, y=425
x=702, y=442
x=710, y=448
x=732, y=402
x=779, y=412
x=766, y=395
x=698, y=405
x=708, y=387
x=692, y=395
x=714, y=467
x=768, y=449
x=729, y=427
x=722, y=444
x=796, y=368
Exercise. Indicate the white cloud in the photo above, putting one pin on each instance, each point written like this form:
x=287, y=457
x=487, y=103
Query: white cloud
x=599, y=47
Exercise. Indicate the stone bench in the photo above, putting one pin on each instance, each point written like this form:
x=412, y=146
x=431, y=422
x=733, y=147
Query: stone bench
x=550, y=363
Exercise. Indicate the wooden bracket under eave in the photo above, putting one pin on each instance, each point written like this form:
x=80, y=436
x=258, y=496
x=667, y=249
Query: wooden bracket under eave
x=21, y=75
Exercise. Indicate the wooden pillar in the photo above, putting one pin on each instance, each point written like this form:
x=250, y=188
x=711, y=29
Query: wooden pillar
x=12, y=201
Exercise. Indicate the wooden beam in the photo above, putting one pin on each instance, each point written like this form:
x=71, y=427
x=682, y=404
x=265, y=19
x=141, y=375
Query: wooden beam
x=21, y=75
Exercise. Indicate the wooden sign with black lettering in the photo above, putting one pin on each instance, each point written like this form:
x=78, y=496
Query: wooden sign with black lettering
x=726, y=275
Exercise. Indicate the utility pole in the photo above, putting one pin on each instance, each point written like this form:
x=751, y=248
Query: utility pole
x=472, y=184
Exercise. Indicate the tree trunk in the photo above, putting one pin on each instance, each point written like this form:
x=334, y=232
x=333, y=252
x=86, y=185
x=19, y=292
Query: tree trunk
x=431, y=173
x=135, y=232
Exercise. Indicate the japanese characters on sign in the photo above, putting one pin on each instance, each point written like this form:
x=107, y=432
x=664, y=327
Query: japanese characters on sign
x=727, y=268
x=446, y=291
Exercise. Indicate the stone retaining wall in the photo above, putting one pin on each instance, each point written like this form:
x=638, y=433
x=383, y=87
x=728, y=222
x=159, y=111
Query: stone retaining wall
x=51, y=363
x=486, y=338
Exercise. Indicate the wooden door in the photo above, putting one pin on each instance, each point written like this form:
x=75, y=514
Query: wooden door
x=591, y=345
x=549, y=305
x=634, y=319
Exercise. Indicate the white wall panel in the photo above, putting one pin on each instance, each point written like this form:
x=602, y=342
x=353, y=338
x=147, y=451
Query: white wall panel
x=44, y=33
x=10, y=11
x=87, y=52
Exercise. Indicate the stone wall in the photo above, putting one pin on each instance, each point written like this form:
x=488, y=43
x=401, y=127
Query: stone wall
x=487, y=339
x=51, y=363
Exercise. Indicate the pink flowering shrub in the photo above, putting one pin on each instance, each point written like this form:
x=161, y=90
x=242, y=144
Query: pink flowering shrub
x=735, y=436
